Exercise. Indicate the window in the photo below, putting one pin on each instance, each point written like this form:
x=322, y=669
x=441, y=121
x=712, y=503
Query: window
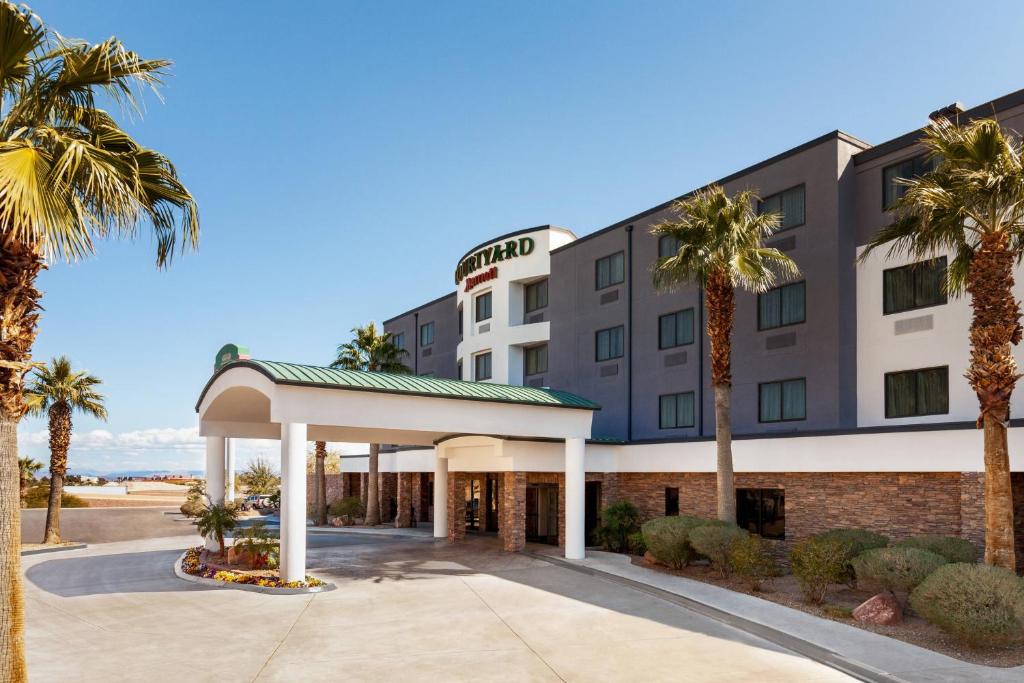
x=675, y=329
x=789, y=203
x=918, y=285
x=483, y=307
x=460, y=323
x=671, y=501
x=482, y=366
x=609, y=343
x=675, y=410
x=668, y=245
x=398, y=340
x=536, y=296
x=781, y=306
x=537, y=359
x=762, y=512
x=914, y=393
x=610, y=270
x=892, y=189
x=427, y=334
x=460, y=368
x=782, y=401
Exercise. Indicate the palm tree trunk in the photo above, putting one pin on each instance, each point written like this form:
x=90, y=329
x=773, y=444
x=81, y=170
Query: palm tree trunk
x=995, y=327
x=721, y=304
x=372, y=494
x=19, y=316
x=320, y=484
x=60, y=440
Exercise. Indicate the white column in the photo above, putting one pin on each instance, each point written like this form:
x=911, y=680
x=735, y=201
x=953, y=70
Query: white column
x=575, y=505
x=214, y=477
x=440, y=495
x=293, y=501
x=230, y=450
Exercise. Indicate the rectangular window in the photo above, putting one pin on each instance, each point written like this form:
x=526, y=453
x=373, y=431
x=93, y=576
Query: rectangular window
x=675, y=410
x=609, y=343
x=427, y=334
x=781, y=306
x=460, y=323
x=675, y=329
x=483, y=307
x=918, y=285
x=537, y=359
x=460, y=368
x=668, y=245
x=782, y=401
x=610, y=270
x=914, y=393
x=482, y=366
x=789, y=203
x=892, y=189
x=671, y=501
x=762, y=512
x=398, y=340
x=536, y=296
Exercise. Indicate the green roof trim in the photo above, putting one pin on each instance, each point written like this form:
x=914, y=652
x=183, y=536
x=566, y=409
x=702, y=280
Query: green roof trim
x=385, y=383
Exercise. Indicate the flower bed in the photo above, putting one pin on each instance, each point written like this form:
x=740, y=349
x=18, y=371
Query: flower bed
x=195, y=563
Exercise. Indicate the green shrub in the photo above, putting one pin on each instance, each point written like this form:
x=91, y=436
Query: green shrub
x=896, y=568
x=856, y=541
x=752, y=560
x=953, y=548
x=192, y=507
x=837, y=611
x=816, y=563
x=668, y=539
x=636, y=543
x=348, y=508
x=714, y=541
x=979, y=604
x=39, y=497
x=618, y=521
x=258, y=542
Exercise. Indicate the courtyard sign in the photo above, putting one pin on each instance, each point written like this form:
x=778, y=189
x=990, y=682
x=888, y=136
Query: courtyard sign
x=490, y=255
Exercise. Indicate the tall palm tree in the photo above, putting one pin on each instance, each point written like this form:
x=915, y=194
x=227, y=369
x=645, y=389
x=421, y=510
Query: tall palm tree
x=972, y=205
x=721, y=248
x=57, y=391
x=320, y=483
x=68, y=175
x=372, y=352
x=27, y=468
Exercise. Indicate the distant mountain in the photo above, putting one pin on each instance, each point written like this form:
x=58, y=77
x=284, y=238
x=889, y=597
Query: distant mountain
x=135, y=473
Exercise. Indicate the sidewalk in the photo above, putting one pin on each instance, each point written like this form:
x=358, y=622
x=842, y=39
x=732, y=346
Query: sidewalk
x=422, y=531
x=828, y=641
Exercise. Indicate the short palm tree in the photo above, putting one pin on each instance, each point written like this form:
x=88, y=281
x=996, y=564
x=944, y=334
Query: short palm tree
x=370, y=351
x=57, y=391
x=320, y=483
x=217, y=520
x=721, y=248
x=69, y=174
x=260, y=477
x=972, y=205
x=28, y=468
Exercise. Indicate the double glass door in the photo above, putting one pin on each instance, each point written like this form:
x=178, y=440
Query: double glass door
x=542, y=513
x=482, y=503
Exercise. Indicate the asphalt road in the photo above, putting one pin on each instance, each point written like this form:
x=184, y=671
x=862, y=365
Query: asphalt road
x=104, y=525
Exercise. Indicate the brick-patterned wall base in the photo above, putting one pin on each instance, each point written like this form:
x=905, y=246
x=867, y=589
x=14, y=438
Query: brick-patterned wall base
x=333, y=488
x=456, y=506
x=512, y=511
x=388, y=489
x=405, y=500
x=972, y=507
x=1017, y=484
x=364, y=482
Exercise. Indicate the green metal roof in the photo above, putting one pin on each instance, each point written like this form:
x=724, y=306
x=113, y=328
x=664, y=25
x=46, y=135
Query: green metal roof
x=385, y=383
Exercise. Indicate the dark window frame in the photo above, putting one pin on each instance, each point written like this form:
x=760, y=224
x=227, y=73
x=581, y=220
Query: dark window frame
x=916, y=269
x=476, y=366
x=760, y=323
x=920, y=164
x=913, y=371
x=661, y=346
x=764, y=200
x=663, y=239
x=398, y=340
x=526, y=360
x=597, y=345
x=693, y=409
x=535, y=286
x=477, y=300
x=780, y=382
x=671, y=501
x=425, y=326
x=597, y=270
x=759, y=522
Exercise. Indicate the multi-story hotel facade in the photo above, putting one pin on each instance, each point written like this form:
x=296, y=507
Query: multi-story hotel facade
x=849, y=405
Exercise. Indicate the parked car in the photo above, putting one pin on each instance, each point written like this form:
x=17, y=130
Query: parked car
x=257, y=501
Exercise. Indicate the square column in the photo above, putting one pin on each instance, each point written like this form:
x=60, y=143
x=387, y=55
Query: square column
x=456, y=506
x=214, y=478
x=293, y=501
x=513, y=511
x=440, y=496
x=405, y=500
x=575, y=499
x=229, y=447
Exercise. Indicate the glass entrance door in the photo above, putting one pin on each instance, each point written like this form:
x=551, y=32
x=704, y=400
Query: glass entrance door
x=492, y=502
x=472, y=505
x=542, y=513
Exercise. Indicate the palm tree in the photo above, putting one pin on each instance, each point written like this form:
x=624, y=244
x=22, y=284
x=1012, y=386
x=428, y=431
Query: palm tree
x=260, y=477
x=57, y=391
x=27, y=468
x=721, y=248
x=372, y=352
x=69, y=174
x=320, y=483
x=972, y=205
x=217, y=520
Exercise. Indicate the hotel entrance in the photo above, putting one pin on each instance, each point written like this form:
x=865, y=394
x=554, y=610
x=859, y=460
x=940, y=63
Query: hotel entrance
x=542, y=513
x=482, y=495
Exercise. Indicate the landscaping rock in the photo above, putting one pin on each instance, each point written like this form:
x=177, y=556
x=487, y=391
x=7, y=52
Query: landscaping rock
x=881, y=609
x=649, y=558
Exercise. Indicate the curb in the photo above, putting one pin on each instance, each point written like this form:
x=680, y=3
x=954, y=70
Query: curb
x=269, y=590
x=40, y=551
x=817, y=653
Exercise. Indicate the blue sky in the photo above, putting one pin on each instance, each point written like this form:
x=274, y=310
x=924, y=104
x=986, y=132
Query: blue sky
x=344, y=154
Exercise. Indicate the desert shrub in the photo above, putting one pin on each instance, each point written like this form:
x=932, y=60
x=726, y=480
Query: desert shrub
x=668, y=539
x=752, y=561
x=856, y=542
x=39, y=497
x=258, y=542
x=348, y=508
x=817, y=562
x=714, y=541
x=953, y=548
x=896, y=568
x=192, y=507
x=837, y=611
x=618, y=521
x=636, y=543
x=979, y=604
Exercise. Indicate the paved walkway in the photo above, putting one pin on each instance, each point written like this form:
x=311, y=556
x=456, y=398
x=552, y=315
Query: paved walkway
x=405, y=609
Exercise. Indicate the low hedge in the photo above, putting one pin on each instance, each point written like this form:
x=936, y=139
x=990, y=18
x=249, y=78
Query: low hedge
x=751, y=559
x=817, y=562
x=668, y=538
x=618, y=521
x=192, y=507
x=953, y=548
x=895, y=569
x=39, y=497
x=714, y=541
x=856, y=542
x=636, y=543
x=977, y=603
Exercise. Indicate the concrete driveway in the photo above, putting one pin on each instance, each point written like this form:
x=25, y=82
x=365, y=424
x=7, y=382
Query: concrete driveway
x=405, y=610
